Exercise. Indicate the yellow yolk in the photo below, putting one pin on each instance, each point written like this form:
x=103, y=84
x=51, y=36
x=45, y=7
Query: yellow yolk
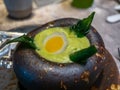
x=54, y=44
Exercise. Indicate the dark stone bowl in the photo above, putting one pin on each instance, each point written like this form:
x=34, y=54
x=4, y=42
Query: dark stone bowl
x=36, y=73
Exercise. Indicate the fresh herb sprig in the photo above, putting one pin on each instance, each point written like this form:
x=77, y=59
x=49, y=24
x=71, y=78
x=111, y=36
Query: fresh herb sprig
x=28, y=41
x=82, y=27
x=81, y=56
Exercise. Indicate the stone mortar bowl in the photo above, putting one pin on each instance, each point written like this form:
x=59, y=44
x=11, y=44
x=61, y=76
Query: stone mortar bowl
x=36, y=73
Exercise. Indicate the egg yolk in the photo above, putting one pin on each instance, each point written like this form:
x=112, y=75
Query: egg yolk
x=54, y=44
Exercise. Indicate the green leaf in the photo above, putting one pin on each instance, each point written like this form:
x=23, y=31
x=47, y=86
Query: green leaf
x=29, y=42
x=82, y=55
x=82, y=27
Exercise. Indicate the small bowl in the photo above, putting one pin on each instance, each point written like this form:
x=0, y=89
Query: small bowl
x=36, y=73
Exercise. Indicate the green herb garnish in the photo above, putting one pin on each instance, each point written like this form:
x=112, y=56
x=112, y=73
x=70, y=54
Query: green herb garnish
x=82, y=55
x=82, y=27
x=28, y=41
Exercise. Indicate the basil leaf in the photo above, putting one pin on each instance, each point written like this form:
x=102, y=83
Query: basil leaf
x=29, y=42
x=81, y=56
x=82, y=26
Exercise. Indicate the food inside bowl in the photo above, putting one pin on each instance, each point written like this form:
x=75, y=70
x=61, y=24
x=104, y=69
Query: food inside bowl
x=56, y=44
x=64, y=54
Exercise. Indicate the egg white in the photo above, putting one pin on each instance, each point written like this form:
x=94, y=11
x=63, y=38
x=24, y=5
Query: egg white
x=60, y=34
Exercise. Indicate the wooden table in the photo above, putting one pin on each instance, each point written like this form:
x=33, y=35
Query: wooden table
x=103, y=8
